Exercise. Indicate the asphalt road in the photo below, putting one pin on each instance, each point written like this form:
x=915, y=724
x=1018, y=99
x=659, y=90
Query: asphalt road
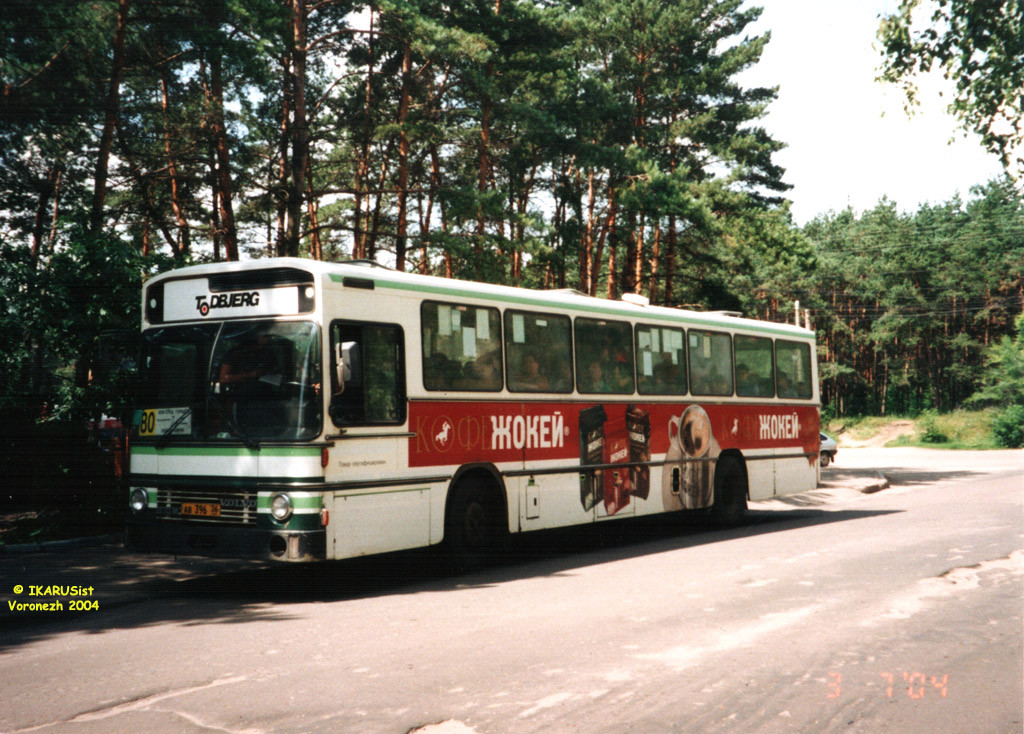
x=899, y=610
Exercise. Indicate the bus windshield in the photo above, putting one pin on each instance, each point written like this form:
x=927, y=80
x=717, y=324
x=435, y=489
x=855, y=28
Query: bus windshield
x=246, y=381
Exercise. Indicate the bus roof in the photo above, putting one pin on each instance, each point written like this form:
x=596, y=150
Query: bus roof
x=526, y=298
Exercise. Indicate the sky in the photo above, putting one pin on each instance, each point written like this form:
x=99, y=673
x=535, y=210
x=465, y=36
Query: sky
x=850, y=142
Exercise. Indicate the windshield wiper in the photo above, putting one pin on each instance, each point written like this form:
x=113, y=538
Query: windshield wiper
x=250, y=443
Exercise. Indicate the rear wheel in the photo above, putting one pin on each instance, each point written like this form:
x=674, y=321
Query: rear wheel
x=474, y=530
x=825, y=459
x=730, y=504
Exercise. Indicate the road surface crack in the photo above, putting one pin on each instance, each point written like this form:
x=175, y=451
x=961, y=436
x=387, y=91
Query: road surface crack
x=953, y=581
x=138, y=704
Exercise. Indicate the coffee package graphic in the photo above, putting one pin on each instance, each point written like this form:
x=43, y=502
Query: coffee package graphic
x=638, y=429
x=617, y=480
x=591, y=454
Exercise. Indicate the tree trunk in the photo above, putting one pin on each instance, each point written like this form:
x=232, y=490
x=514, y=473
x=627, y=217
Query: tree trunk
x=607, y=235
x=111, y=104
x=638, y=257
x=215, y=229
x=48, y=191
x=363, y=165
x=222, y=156
x=652, y=288
x=403, y=159
x=634, y=246
x=586, y=254
x=184, y=238
x=612, y=248
x=280, y=186
x=483, y=167
x=670, y=262
x=316, y=247
x=299, y=129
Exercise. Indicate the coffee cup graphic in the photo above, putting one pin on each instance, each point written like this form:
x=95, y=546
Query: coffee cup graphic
x=689, y=473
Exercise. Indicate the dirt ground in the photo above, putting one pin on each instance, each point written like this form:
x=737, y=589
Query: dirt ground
x=886, y=434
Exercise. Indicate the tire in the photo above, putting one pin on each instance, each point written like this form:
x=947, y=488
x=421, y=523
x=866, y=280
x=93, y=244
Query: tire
x=474, y=531
x=730, y=505
x=826, y=459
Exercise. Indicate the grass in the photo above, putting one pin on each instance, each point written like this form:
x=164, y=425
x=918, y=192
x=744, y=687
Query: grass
x=961, y=429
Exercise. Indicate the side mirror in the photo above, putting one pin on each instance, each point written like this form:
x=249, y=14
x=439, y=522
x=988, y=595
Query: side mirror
x=348, y=369
x=339, y=368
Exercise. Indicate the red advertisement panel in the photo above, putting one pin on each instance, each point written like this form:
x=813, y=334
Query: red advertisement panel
x=455, y=433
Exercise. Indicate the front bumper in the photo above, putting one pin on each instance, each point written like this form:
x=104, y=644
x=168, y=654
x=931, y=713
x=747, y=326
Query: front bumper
x=203, y=539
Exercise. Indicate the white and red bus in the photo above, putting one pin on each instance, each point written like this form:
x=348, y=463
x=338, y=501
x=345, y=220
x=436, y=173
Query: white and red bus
x=298, y=410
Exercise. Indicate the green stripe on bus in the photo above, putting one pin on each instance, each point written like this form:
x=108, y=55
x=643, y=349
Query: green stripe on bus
x=276, y=452
x=299, y=501
x=585, y=307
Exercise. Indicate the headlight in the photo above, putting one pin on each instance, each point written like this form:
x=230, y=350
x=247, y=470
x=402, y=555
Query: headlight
x=138, y=499
x=281, y=507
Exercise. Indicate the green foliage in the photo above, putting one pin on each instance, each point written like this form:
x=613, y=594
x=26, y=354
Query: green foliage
x=905, y=304
x=606, y=146
x=1003, y=381
x=977, y=45
x=1008, y=427
x=929, y=430
x=58, y=313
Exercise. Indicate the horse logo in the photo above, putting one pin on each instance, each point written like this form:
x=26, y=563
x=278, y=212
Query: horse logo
x=442, y=439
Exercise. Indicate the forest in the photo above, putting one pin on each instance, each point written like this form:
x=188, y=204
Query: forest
x=607, y=146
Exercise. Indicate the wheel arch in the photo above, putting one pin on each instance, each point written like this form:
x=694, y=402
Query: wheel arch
x=484, y=475
x=735, y=456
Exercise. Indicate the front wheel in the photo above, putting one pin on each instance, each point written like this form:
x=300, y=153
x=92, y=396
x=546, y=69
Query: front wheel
x=730, y=504
x=825, y=459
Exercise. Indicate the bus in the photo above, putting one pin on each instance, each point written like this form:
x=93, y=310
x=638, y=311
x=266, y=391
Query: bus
x=300, y=410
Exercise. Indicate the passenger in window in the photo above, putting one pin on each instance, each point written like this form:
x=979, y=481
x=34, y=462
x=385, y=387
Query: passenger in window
x=616, y=369
x=666, y=377
x=593, y=379
x=530, y=376
x=700, y=378
x=621, y=374
x=437, y=371
x=485, y=373
x=562, y=381
x=746, y=384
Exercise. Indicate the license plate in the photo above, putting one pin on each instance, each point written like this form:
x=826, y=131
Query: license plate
x=200, y=509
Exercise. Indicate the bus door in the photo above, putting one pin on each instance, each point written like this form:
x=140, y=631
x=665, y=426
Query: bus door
x=374, y=506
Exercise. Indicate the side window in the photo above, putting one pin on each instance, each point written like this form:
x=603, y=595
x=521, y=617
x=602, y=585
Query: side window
x=710, y=363
x=461, y=347
x=660, y=360
x=754, y=376
x=793, y=369
x=367, y=374
x=604, y=356
x=538, y=351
